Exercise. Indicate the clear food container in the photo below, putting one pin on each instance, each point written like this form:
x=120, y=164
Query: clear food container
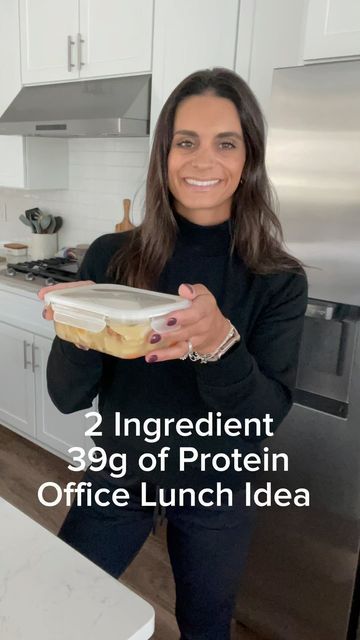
x=113, y=318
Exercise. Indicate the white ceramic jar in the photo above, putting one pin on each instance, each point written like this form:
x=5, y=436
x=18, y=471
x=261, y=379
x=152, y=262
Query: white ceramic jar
x=43, y=245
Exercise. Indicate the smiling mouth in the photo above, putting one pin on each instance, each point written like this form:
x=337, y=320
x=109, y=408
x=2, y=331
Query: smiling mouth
x=201, y=183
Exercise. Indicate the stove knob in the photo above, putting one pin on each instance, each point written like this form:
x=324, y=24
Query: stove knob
x=10, y=271
x=49, y=282
x=29, y=276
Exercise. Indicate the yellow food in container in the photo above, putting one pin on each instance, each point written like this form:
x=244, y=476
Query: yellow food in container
x=113, y=319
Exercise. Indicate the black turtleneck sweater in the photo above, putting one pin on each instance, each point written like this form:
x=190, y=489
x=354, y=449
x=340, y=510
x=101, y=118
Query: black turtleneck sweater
x=256, y=377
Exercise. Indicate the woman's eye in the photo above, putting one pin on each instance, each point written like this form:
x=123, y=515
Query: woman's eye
x=184, y=144
x=227, y=145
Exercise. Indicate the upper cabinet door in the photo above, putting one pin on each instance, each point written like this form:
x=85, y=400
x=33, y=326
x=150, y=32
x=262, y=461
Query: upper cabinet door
x=189, y=36
x=48, y=33
x=333, y=29
x=116, y=37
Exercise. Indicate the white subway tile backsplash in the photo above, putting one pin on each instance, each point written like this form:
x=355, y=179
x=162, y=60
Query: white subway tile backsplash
x=102, y=172
x=110, y=158
x=105, y=174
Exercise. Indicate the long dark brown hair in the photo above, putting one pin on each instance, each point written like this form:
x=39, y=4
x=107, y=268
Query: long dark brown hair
x=257, y=235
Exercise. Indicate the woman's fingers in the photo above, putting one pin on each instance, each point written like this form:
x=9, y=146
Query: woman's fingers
x=200, y=309
x=63, y=285
x=47, y=312
x=199, y=323
x=172, y=353
x=183, y=333
x=203, y=304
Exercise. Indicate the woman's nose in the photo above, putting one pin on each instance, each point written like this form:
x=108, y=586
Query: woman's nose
x=203, y=158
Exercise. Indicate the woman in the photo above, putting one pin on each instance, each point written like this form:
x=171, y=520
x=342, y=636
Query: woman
x=209, y=234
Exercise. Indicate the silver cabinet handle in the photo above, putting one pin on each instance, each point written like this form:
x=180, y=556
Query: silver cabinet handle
x=70, y=43
x=80, y=41
x=26, y=361
x=33, y=353
x=324, y=311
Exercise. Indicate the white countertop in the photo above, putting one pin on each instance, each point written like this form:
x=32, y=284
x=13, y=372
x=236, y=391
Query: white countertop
x=21, y=307
x=48, y=590
x=18, y=284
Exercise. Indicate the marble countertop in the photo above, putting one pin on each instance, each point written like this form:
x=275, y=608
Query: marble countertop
x=18, y=285
x=20, y=306
x=48, y=590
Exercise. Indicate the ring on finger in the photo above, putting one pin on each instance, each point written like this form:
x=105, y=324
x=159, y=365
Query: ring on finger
x=190, y=350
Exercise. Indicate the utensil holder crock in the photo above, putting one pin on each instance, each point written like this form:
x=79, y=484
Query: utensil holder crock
x=43, y=245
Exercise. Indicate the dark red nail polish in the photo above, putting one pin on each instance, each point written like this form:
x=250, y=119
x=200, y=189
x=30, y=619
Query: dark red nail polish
x=155, y=338
x=152, y=358
x=171, y=322
x=189, y=287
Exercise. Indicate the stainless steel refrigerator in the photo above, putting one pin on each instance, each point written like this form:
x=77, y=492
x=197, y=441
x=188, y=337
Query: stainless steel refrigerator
x=301, y=580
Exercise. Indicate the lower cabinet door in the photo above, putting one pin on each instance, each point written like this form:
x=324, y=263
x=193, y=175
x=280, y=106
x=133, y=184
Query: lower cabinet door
x=54, y=429
x=17, y=384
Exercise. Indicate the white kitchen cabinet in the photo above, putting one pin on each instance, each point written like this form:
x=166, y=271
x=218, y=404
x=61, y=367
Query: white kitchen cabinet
x=58, y=431
x=332, y=29
x=72, y=39
x=117, y=37
x=189, y=36
x=10, y=77
x=276, y=34
x=24, y=163
x=33, y=163
x=270, y=36
x=25, y=405
x=17, y=389
x=47, y=30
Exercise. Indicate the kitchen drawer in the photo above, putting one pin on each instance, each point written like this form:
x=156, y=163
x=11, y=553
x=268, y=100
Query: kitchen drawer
x=25, y=313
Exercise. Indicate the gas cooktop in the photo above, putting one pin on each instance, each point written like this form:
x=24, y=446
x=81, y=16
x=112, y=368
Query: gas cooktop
x=44, y=272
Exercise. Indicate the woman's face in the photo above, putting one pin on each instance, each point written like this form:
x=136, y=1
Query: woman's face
x=206, y=158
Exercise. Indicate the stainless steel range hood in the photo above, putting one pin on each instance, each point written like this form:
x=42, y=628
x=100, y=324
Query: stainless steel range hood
x=88, y=108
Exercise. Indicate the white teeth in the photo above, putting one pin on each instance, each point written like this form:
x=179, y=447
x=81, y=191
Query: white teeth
x=201, y=183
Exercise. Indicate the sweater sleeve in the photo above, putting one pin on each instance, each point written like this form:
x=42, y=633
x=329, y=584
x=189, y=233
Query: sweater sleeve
x=73, y=375
x=258, y=377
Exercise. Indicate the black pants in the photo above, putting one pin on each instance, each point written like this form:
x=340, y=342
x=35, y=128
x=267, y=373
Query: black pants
x=207, y=547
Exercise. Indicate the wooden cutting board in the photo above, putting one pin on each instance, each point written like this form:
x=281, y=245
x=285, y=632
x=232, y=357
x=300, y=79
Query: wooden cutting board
x=125, y=224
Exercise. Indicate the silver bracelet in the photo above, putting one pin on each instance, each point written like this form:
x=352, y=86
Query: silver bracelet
x=231, y=338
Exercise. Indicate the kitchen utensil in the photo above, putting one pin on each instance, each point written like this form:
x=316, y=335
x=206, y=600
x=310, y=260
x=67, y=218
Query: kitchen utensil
x=33, y=211
x=125, y=224
x=28, y=213
x=44, y=222
x=59, y=223
x=26, y=221
x=31, y=222
x=36, y=225
x=33, y=215
x=52, y=226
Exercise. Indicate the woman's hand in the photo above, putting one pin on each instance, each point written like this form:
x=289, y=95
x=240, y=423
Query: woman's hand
x=47, y=313
x=202, y=323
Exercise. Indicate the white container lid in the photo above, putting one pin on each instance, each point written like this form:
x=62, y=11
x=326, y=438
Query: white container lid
x=90, y=306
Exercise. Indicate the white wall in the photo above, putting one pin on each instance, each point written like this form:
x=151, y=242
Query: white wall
x=101, y=173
